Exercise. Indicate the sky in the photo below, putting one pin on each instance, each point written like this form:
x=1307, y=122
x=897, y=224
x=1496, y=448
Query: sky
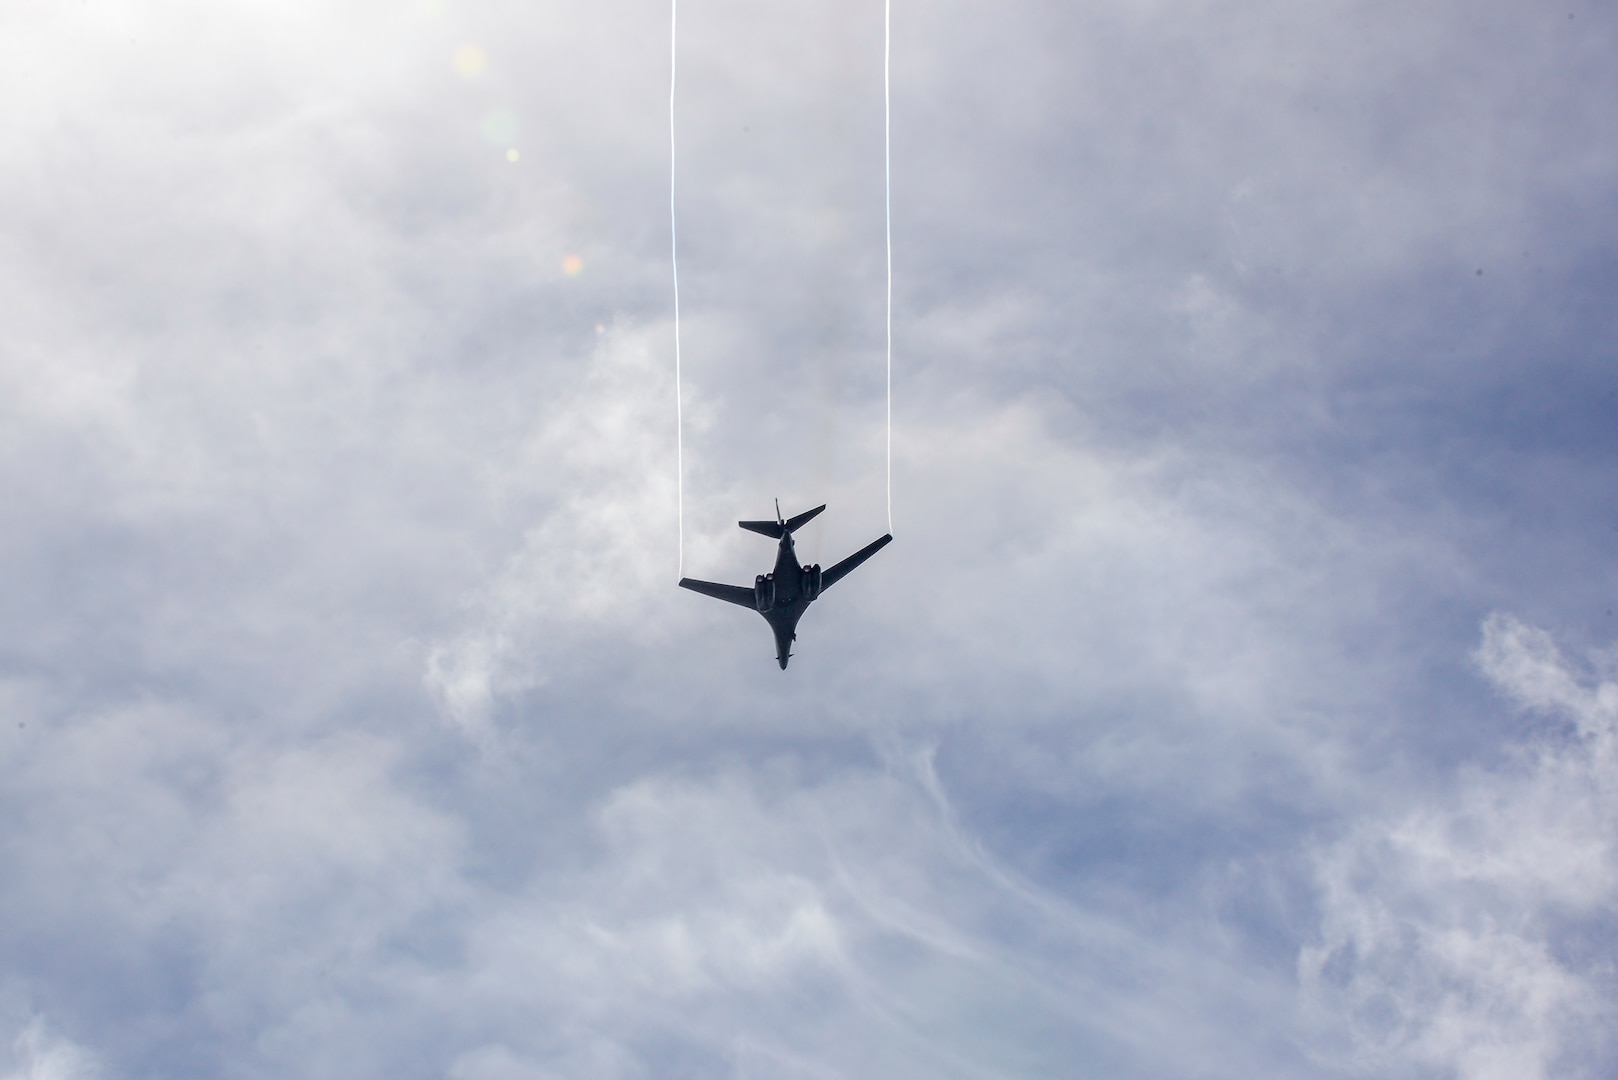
x=1238, y=697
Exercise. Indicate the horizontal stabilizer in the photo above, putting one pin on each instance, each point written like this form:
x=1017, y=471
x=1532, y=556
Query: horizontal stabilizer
x=796, y=523
x=830, y=577
x=778, y=529
x=735, y=594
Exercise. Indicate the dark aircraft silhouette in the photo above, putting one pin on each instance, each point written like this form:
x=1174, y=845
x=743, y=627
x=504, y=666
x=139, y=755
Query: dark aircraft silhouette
x=782, y=595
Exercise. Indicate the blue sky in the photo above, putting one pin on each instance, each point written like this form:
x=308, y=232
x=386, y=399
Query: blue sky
x=1238, y=698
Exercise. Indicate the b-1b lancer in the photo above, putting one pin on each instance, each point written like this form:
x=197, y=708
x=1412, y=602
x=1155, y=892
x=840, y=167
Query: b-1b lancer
x=782, y=595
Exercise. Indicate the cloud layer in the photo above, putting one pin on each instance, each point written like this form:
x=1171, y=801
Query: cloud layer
x=1237, y=698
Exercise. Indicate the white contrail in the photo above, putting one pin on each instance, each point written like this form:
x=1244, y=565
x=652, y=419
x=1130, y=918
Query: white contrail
x=674, y=258
x=887, y=206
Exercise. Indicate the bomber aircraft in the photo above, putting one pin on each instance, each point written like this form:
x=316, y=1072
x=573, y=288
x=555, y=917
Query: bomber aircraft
x=782, y=595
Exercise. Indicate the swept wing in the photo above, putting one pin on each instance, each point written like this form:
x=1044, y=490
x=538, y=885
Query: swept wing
x=834, y=574
x=736, y=594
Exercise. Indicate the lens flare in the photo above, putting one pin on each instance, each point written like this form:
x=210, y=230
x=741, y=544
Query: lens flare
x=469, y=61
x=512, y=155
x=572, y=265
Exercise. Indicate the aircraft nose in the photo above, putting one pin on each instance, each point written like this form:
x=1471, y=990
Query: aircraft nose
x=782, y=661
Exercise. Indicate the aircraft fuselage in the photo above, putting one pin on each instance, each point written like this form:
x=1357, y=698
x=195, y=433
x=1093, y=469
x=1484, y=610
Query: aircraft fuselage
x=790, y=603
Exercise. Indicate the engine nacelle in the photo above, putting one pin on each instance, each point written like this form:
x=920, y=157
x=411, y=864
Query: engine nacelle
x=764, y=592
x=811, y=582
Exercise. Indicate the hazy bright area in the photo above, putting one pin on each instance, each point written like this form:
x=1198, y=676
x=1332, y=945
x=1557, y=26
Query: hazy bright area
x=1238, y=698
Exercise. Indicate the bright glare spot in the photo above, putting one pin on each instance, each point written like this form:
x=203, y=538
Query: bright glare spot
x=572, y=265
x=512, y=155
x=600, y=329
x=469, y=61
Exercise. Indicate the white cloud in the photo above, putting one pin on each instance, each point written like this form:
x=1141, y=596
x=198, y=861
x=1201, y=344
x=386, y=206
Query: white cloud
x=1441, y=925
x=599, y=459
x=37, y=1054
